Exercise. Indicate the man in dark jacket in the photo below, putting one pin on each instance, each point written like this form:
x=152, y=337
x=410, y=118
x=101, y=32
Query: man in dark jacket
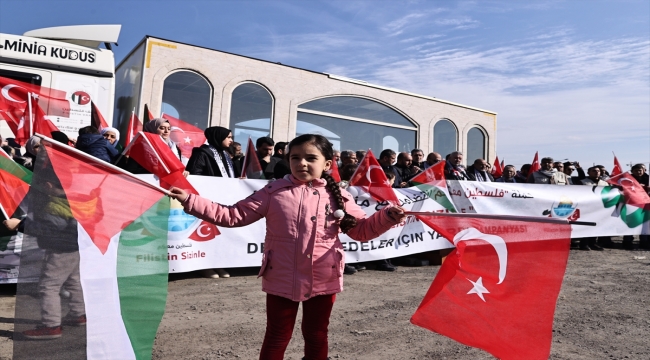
x=404, y=169
x=478, y=171
x=386, y=159
x=93, y=143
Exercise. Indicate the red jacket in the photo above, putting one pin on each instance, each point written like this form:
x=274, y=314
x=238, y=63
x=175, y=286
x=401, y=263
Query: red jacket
x=303, y=256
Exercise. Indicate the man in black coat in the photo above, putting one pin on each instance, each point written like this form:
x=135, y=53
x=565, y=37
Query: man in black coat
x=478, y=171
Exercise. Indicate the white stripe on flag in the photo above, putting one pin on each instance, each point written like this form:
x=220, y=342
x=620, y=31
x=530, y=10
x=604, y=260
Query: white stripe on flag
x=105, y=334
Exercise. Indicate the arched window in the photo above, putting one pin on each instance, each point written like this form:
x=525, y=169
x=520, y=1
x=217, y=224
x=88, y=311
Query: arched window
x=189, y=94
x=251, y=110
x=445, y=138
x=357, y=124
x=475, y=145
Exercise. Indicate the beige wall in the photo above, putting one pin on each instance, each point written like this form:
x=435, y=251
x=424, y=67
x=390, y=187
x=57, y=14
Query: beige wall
x=291, y=87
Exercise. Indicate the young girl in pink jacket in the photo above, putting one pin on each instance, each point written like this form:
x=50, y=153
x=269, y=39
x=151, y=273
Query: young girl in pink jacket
x=303, y=258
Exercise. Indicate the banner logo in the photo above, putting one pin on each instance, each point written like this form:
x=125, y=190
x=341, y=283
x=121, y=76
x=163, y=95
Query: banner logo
x=80, y=97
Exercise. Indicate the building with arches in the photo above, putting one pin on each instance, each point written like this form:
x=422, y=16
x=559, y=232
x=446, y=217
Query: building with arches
x=255, y=98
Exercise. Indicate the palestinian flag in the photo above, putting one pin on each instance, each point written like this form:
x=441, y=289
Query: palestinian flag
x=14, y=184
x=102, y=236
x=432, y=182
x=96, y=117
x=252, y=169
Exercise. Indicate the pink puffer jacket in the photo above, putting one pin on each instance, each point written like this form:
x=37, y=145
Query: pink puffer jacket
x=303, y=256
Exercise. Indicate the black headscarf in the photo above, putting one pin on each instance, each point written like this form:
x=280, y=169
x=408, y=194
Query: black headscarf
x=216, y=135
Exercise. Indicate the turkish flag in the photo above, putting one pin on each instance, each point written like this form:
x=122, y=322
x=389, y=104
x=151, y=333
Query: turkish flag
x=15, y=93
x=151, y=152
x=134, y=126
x=186, y=136
x=206, y=231
x=96, y=117
x=617, y=170
x=370, y=176
x=497, y=170
x=535, y=165
x=24, y=128
x=12, y=117
x=633, y=192
x=498, y=290
x=334, y=171
x=42, y=125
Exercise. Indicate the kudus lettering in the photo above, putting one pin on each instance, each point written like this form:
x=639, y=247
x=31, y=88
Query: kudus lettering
x=56, y=52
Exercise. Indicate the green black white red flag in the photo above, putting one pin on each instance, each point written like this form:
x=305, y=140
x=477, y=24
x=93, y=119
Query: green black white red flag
x=102, y=236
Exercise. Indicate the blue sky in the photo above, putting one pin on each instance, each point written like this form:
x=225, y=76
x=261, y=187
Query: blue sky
x=568, y=78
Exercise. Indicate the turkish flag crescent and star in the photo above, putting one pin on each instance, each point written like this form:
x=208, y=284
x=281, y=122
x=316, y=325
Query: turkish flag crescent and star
x=371, y=177
x=155, y=156
x=186, y=136
x=498, y=290
x=633, y=192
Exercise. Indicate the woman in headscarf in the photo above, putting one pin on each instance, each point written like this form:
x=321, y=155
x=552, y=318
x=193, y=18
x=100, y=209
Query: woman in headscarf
x=32, y=147
x=111, y=134
x=157, y=126
x=214, y=159
x=162, y=127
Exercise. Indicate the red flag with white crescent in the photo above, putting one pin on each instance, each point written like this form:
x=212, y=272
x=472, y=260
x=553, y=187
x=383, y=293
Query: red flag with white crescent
x=185, y=135
x=206, y=231
x=498, y=290
x=633, y=192
x=370, y=175
x=155, y=156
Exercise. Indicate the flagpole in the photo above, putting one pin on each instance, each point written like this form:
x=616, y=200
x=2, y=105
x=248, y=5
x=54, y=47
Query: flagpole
x=2, y=208
x=504, y=217
x=31, y=115
x=93, y=159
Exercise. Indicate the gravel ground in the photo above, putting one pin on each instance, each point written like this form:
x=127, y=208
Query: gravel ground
x=603, y=312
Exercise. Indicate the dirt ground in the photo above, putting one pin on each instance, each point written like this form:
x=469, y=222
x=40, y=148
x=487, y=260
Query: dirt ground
x=603, y=312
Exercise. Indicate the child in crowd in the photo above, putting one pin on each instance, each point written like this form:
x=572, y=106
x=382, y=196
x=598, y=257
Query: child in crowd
x=303, y=258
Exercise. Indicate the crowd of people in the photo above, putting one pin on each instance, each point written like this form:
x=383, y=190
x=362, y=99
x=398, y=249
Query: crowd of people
x=221, y=156
x=307, y=158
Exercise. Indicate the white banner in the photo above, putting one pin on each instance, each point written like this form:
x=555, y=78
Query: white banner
x=194, y=244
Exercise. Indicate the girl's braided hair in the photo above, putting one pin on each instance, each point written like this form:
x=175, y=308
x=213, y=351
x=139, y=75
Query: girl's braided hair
x=325, y=148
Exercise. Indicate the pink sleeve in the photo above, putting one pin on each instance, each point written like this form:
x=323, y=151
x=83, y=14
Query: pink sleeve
x=371, y=227
x=242, y=213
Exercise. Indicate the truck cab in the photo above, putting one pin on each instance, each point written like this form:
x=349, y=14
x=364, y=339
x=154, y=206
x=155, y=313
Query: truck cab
x=65, y=58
